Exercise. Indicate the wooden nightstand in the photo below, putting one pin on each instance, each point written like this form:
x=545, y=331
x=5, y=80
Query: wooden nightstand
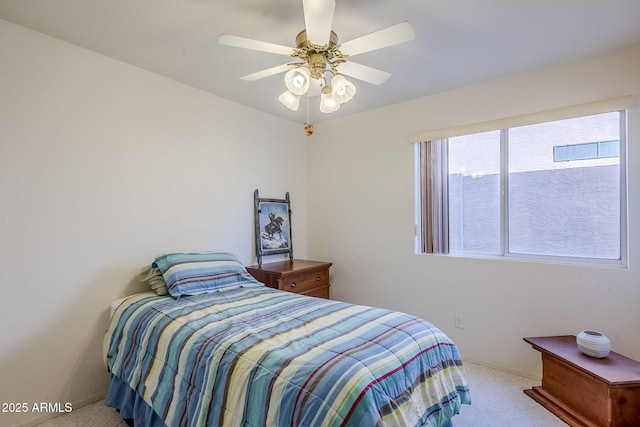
x=304, y=277
x=583, y=391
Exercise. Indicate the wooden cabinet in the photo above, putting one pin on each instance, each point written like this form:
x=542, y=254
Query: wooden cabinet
x=300, y=276
x=585, y=391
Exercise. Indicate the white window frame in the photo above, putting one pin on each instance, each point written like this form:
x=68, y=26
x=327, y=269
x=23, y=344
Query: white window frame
x=619, y=104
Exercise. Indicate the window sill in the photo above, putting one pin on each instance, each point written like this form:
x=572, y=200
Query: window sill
x=567, y=261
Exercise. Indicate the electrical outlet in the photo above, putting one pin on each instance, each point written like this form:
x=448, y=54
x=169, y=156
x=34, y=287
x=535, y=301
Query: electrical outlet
x=459, y=321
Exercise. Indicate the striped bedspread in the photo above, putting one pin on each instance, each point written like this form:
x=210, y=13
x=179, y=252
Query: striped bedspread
x=257, y=356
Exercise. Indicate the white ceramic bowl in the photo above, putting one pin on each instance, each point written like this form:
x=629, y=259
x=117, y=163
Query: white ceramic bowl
x=593, y=343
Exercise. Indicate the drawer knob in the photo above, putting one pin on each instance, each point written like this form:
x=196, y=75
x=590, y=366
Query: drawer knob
x=293, y=284
x=318, y=278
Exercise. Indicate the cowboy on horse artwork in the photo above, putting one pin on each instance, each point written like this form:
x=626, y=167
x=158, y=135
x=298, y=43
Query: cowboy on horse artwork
x=274, y=226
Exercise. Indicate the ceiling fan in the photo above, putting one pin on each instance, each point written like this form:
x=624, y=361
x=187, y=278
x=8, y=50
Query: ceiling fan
x=321, y=58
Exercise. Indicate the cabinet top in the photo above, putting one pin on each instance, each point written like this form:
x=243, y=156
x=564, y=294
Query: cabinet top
x=296, y=265
x=614, y=369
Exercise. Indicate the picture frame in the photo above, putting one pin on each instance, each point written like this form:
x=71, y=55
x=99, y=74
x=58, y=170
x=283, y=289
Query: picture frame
x=272, y=226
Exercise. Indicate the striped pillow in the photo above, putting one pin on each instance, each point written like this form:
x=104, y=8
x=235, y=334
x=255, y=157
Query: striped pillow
x=201, y=273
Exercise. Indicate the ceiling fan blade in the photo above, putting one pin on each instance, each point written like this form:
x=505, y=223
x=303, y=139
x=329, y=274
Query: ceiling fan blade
x=363, y=72
x=318, y=20
x=266, y=73
x=396, y=34
x=235, y=41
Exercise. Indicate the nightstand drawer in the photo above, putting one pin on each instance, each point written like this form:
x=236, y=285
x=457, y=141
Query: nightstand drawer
x=322, y=292
x=304, y=282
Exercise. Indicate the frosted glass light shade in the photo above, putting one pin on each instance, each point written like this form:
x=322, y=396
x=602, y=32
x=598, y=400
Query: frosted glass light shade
x=342, y=89
x=328, y=104
x=298, y=80
x=289, y=100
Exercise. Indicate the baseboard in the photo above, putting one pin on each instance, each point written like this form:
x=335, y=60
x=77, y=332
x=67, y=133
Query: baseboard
x=76, y=405
x=501, y=368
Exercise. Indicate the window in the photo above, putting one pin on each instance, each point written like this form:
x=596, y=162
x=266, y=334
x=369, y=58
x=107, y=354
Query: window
x=553, y=190
x=589, y=150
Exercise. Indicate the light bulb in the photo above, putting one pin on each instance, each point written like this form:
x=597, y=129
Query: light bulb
x=297, y=80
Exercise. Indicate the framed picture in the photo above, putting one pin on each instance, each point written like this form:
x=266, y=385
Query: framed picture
x=272, y=226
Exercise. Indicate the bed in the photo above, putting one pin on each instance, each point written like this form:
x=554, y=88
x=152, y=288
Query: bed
x=234, y=352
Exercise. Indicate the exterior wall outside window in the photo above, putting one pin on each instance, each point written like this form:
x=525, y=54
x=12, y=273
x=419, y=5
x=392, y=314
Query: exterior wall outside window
x=552, y=231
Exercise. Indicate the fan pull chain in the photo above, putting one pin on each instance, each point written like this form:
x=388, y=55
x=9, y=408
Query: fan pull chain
x=307, y=128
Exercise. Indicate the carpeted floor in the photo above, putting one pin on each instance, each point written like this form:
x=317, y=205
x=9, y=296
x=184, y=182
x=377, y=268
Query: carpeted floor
x=498, y=400
x=497, y=397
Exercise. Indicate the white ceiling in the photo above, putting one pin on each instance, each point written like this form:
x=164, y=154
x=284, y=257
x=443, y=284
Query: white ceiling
x=458, y=42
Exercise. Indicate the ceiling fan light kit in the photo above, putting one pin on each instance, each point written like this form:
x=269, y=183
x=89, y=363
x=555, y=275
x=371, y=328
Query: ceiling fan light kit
x=320, y=61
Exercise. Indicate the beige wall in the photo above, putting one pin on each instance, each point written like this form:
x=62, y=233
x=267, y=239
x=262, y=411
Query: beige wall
x=361, y=217
x=103, y=166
